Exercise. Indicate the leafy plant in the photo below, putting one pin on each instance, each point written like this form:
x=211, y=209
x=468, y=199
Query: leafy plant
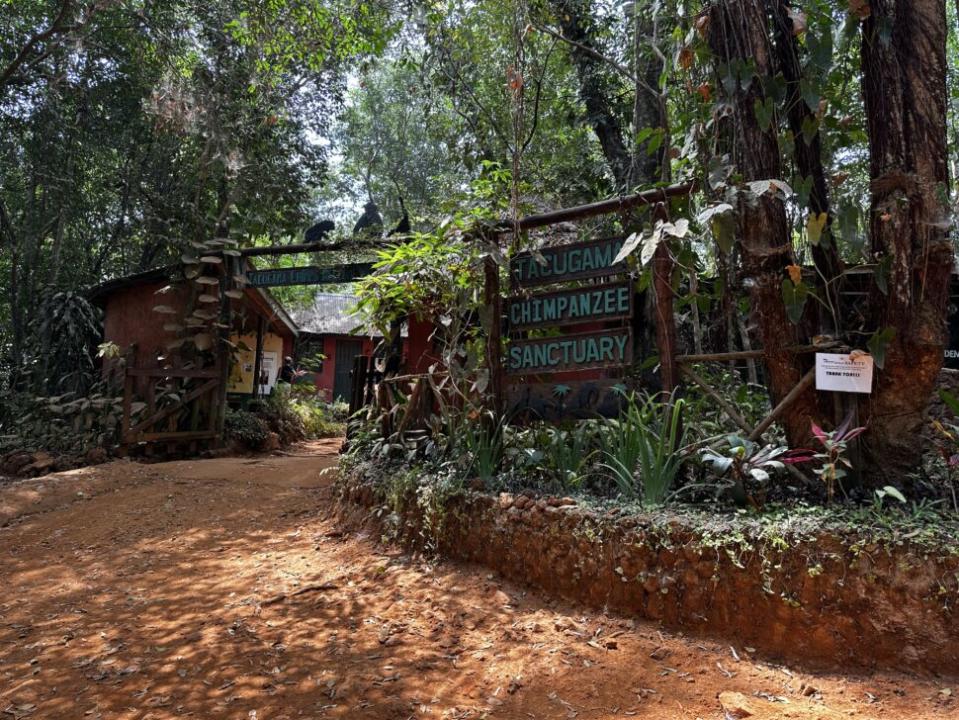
x=833, y=455
x=246, y=428
x=64, y=423
x=482, y=439
x=888, y=491
x=65, y=340
x=569, y=454
x=320, y=419
x=748, y=466
x=646, y=437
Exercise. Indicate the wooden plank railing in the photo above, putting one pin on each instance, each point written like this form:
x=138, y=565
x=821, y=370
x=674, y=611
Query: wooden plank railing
x=163, y=424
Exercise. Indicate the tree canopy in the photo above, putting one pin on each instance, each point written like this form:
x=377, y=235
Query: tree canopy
x=821, y=136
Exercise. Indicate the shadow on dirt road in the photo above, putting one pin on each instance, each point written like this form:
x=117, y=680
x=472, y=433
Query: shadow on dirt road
x=221, y=589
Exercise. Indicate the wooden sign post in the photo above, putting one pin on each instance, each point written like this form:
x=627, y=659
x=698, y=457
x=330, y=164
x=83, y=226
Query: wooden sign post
x=598, y=313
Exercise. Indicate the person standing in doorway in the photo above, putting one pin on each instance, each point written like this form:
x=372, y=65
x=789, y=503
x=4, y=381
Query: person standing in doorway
x=288, y=371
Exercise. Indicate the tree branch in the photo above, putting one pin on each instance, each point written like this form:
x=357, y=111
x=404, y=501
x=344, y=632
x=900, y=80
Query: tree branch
x=599, y=57
x=56, y=28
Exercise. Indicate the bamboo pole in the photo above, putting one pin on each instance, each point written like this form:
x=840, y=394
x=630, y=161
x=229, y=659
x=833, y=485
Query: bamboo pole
x=807, y=380
x=603, y=207
x=720, y=400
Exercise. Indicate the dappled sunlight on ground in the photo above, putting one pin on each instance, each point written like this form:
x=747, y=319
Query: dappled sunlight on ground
x=220, y=589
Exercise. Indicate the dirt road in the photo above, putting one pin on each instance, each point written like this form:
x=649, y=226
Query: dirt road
x=219, y=589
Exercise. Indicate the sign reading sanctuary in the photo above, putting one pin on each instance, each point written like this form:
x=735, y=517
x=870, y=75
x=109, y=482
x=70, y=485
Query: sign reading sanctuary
x=600, y=304
x=607, y=348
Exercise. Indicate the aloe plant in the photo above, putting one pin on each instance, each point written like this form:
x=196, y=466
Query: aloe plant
x=645, y=438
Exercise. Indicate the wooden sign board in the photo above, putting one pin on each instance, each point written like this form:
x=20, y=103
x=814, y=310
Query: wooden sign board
x=582, y=351
x=569, y=307
x=566, y=263
x=309, y=275
x=555, y=402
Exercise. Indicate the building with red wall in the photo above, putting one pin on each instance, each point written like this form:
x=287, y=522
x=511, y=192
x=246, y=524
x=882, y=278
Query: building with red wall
x=324, y=338
x=132, y=324
x=331, y=328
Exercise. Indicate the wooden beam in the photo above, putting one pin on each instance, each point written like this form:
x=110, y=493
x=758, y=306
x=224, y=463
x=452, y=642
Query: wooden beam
x=494, y=342
x=128, y=383
x=603, y=207
x=808, y=379
x=720, y=357
x=358, y=383
x=170, y=373
x=753, y=354
x=222, y=351
x=662, y=268
x=289, y=249
x=168, y=411
x=177, y=436
x=720, y=400
x=258, y=358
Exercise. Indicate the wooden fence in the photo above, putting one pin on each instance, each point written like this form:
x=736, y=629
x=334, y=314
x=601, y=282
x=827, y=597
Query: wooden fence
x=187, y=410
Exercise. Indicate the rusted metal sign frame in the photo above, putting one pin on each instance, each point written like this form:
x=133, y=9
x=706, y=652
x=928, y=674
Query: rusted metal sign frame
x=558, y=295
x=551, y=254
x=625, y=359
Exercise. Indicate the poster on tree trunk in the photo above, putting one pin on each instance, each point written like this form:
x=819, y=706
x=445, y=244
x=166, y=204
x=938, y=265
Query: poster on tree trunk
x=849, y=373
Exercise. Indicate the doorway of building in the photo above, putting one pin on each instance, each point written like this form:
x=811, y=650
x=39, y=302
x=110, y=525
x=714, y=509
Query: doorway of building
x=345, y=351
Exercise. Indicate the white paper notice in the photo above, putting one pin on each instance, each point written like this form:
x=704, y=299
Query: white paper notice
x=844, y=373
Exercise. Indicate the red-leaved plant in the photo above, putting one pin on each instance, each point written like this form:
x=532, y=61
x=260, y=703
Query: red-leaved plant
x=833, y=453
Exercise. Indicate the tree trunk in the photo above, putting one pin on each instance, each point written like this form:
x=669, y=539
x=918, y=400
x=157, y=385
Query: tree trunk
x=738, y=32
x=594, y=89
x=904, y=85
x=648, y=108
x=808, y=159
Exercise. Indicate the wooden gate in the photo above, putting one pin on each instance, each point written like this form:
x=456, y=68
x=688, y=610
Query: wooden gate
x=186, y=411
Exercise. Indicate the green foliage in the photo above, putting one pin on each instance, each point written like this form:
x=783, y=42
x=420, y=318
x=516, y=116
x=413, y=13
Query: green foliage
x=431, y=273
x=119, y=148
x=64, y=423
x=570, y=453
x=65, y=338
x=646, y=438
x=482, y=442
x=247, y=428
x=320, y=419
x=281, y=417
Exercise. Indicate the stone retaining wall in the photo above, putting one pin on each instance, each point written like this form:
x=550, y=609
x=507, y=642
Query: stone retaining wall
x=831, y=602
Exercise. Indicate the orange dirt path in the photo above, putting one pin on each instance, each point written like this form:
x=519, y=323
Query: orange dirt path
x=169, y=590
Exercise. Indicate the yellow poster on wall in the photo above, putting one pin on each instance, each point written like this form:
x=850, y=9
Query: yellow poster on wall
x=241, y=372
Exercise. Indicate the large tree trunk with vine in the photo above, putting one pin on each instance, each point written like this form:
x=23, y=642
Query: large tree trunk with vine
x=807, y=157
x=904, y=85
x=739, y=32
x=595, y=89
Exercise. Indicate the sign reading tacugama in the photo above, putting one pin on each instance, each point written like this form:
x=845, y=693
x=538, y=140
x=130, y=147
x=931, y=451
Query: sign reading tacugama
x=583, y=351
x=567, y=262
x=567, y=307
